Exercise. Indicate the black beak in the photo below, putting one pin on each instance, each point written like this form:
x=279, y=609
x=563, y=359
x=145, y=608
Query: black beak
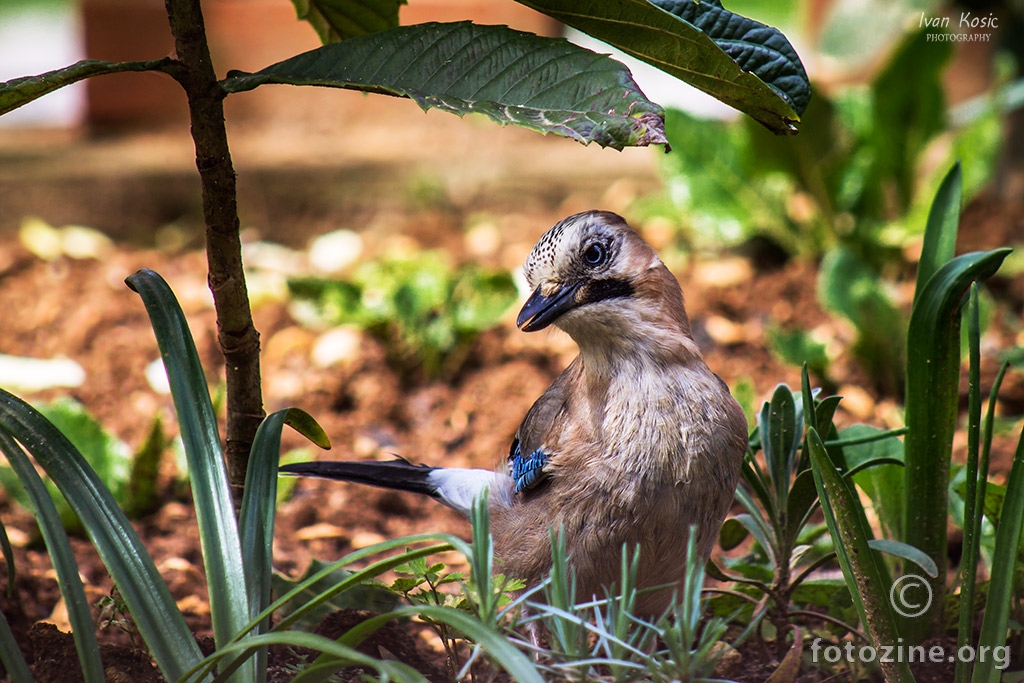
x=539, y=311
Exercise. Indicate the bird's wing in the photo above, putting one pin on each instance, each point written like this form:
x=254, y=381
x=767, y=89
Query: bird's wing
x=537, y=435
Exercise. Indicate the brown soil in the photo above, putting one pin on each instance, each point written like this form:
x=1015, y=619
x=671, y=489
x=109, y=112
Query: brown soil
x=82, y=310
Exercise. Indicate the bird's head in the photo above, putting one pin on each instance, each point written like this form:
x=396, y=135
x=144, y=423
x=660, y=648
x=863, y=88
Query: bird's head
x=591, y=274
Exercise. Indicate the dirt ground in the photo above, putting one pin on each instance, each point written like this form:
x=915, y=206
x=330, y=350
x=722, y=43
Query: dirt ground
x=141, y=190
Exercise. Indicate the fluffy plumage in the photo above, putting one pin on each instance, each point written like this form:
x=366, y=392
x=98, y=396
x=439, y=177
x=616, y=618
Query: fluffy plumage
x=635, y=441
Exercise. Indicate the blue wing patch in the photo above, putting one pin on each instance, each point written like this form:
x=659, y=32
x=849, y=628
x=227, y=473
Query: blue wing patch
x=526, y=471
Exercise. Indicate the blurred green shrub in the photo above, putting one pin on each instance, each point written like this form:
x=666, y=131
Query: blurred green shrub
x=853, y=177
x=131, y=477
x=852, y=189
x=426, y=312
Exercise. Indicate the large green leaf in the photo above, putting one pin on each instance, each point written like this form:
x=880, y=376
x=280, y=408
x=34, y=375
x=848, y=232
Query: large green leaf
x=544, y=84
x=21, y=91
x=744, y=63
x=336, y=20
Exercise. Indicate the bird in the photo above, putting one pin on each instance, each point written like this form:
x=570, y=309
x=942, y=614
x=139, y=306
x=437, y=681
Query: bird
x=634, y=443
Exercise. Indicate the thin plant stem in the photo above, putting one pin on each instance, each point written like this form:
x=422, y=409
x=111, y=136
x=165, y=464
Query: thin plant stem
x=236, y=333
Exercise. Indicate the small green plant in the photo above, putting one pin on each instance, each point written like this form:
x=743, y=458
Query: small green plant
x=427, y=313
x=777, y=491
x=114, y=613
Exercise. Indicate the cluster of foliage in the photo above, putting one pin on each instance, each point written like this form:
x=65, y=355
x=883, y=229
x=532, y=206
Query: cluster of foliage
x=131, y=477
x=853, y=189
x=426, y=313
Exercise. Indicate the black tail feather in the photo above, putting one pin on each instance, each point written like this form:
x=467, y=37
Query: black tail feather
x=399, y=474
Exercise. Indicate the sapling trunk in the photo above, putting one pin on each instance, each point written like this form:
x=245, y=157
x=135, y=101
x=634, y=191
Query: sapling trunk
x=238, y=338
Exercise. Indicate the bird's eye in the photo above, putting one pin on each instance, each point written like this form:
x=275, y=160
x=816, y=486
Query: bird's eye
x=595, y=254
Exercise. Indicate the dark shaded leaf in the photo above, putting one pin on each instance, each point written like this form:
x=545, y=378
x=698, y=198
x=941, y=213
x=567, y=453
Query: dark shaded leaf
x=544, y=84
x=758, y=49
x=721, y=57
x=731, y=534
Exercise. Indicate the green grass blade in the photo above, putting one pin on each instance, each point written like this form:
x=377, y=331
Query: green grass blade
x=150, y=602
x=215, y=514
x=347, y=655
x=62, y=558
x=941, y=229
x=906, y=552
x=865, y=576
x=517, y=664
x=1004, y=563
x=256, y=520
x=932, y=396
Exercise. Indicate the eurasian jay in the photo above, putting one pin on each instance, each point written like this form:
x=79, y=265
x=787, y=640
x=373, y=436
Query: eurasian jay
x=632, y=444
